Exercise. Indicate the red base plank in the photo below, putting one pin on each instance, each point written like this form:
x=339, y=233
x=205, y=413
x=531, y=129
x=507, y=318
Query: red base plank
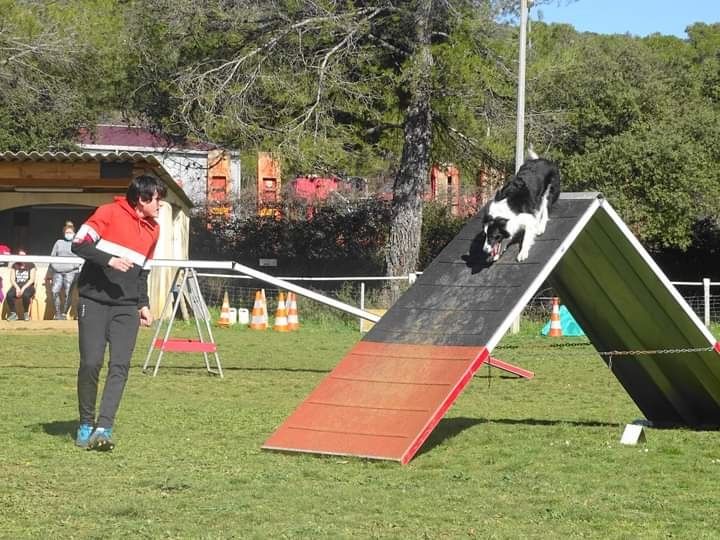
x=185, y=345
x=382, y=401
x=505, y=366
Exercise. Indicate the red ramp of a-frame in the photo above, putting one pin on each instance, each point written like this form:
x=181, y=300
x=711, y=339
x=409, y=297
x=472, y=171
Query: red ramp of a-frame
x=382, y=401
x=390, y=391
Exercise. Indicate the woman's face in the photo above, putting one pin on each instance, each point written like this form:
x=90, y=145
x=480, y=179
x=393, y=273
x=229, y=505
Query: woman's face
x=69, y=234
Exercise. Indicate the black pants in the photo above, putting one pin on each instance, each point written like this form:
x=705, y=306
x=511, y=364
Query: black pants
x=99, y=325
x=26, y=297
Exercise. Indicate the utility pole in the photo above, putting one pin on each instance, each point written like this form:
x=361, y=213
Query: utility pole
x=520, y=128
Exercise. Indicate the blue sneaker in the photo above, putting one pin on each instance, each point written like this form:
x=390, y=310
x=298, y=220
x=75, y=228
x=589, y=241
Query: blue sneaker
x=82, y=439
x=101, y=440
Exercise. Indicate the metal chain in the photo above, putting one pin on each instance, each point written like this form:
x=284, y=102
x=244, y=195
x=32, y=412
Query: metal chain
x=546, y=346
x=617, y=353
x=657, y=351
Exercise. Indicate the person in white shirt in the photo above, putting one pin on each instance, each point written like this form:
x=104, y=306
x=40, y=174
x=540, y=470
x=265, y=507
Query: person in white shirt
x=63, y=274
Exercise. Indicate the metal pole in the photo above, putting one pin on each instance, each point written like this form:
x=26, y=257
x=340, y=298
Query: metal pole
x=706, y=296
x=307, y=293
x=520, y=128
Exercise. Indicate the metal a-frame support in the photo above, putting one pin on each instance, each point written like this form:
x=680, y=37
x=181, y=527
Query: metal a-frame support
x=185, y=286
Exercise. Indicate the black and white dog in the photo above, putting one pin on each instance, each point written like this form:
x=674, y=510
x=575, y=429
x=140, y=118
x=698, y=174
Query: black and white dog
x=522, y=205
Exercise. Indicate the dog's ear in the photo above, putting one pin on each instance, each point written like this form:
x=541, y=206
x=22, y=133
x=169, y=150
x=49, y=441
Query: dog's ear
x=516, y=186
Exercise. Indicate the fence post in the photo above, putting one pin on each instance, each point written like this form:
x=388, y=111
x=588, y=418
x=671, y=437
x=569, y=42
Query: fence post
x=706, y=297
x=362, y=302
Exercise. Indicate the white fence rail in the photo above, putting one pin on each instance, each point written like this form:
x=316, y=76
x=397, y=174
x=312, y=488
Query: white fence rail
x=704, y=303
x=709, y=304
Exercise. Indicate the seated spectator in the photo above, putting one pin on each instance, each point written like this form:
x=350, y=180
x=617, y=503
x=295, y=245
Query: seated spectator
x=4, y=250
x=22, y=285
x=63, y=274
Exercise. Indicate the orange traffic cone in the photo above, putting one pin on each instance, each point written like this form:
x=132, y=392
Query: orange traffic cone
x=555, y=326
x=281, y=318
x=224, y=319
x=258, y=322
x=293, y=319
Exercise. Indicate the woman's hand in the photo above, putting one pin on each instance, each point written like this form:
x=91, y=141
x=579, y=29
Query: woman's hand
x=146, y=318
x=121, y=264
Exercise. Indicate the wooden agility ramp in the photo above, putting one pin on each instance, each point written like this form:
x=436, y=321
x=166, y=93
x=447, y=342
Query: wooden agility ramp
x=389, y=392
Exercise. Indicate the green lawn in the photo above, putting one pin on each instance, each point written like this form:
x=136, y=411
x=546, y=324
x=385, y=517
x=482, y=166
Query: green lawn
x=512, y=459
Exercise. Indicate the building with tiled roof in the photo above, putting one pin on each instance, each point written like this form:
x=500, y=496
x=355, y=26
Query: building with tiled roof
x=206, y=172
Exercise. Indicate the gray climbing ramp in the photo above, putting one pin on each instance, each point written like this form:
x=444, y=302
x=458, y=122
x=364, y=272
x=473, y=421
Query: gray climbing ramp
x=457, y=301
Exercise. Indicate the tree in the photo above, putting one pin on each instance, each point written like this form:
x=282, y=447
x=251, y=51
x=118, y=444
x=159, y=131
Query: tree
x=54, y=66
x=634, y=118
x=331, y=85
x=408, y=189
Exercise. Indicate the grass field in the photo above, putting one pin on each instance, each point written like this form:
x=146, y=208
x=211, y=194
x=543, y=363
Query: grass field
x=512, y=459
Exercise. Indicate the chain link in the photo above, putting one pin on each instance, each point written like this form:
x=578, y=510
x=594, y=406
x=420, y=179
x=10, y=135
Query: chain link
x=657, y=351
x=616, y=353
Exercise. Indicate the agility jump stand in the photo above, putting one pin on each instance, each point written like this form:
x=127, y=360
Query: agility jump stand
x=185, y=286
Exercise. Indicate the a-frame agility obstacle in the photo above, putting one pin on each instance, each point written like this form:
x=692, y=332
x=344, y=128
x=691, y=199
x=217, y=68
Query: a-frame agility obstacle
x=390, y=391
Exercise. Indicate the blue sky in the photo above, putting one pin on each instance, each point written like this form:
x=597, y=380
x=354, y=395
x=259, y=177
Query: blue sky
x=638, y=17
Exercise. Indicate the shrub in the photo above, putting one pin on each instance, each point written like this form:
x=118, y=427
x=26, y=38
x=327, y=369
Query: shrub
x=439, y=227
x=342, y=238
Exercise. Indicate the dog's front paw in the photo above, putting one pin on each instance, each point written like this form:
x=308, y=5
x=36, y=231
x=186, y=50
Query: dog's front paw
x=541, y=226
x=522, y=256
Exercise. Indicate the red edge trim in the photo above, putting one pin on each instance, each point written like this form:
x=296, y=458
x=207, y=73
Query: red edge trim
x=717, y=346
x=444, y=406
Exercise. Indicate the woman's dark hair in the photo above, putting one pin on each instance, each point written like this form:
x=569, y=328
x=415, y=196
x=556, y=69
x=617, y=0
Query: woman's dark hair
x=142, y=188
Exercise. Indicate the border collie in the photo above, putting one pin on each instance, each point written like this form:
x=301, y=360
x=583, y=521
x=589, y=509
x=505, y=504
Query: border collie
x=522, y=205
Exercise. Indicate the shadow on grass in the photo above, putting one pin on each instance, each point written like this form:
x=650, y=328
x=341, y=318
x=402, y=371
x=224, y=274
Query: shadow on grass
x=232, y=368
x=60, y=428
x=494, y=375
x=182, y=368
x=448, y=428
x=536, y=422
x=47, y=366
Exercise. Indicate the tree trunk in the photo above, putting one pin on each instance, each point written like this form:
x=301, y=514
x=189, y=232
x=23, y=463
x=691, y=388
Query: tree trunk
x=408, y=189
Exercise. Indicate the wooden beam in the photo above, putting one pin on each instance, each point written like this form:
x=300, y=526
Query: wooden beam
x=57, y=175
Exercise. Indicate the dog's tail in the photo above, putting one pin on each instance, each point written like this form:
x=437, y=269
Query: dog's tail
x=531, y=153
